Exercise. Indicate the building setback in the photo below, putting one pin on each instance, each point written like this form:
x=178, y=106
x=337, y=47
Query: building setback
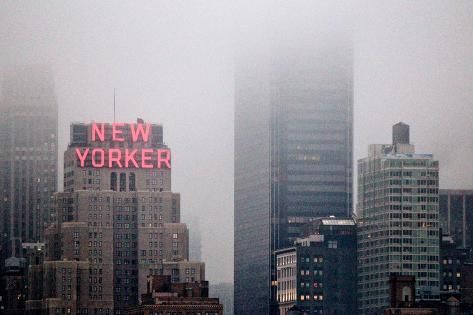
x=398, y=209
x=293, y=158
x=28, y=156
x=318, y=274
x=113, y=225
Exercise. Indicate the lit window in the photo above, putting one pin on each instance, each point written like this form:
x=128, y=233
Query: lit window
x=332, y=244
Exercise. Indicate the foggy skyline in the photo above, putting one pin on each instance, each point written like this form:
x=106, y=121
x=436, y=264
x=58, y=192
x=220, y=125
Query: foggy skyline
x=173, y=63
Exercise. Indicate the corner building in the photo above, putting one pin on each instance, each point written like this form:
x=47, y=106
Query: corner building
x=398, y=221
x=318, y=274
x=113, y=225
x=293, y=158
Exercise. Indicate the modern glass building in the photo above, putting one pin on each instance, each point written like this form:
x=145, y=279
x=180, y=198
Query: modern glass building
x=398, y=221
x=293, y=158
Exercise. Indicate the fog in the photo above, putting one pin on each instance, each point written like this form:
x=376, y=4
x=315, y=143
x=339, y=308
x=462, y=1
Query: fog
x=172, y=62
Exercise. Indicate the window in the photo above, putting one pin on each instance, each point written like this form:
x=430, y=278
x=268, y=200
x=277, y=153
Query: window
x=132, y=182
x=332, y=244
x=113, y=181
x=122, y=182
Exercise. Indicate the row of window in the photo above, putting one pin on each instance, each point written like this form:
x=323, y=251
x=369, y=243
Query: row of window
x=307, y=272
x=307, y=297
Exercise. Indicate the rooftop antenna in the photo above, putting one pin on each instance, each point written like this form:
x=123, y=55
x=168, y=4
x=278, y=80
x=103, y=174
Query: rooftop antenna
x=114, y=108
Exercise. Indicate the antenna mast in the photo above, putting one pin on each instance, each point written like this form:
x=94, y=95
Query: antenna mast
x=114, y=108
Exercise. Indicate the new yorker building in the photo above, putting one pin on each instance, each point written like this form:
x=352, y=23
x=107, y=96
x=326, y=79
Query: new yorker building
x=398, y=220
x=28, y=156
x=116, y=223
x=293, y=158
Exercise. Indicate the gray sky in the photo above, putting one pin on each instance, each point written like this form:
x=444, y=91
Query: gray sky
x=172, y=62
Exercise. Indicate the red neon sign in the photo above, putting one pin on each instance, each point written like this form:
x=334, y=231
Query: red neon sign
x=123, y=158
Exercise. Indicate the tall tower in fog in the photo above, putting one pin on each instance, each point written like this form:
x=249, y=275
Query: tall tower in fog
x=293, y=157
x=28, y=156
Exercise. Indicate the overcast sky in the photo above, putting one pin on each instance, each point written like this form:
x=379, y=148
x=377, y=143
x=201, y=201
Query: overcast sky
x=172, y=62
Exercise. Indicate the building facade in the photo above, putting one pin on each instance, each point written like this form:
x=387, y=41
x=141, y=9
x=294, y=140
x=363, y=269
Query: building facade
x=398, y=220
x=456, y=215
x=116, y=223
x=28, y=156
x=293, y=158
x=452, y=259
x=318, y=274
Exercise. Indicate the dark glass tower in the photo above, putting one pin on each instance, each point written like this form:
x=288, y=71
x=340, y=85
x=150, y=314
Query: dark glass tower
x=28, y=156
x=293, y=158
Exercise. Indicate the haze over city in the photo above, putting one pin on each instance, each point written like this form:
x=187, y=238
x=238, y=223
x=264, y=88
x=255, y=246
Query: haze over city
x=172, y=62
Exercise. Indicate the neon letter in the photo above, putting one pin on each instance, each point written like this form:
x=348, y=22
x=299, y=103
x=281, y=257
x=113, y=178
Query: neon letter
x=117, y=132
x=166, y=159
x=98, y=132
x=130, y=157
x=145, y=157
x=114, y=155
x=82, y=156
x=139, y=129
x=101, y=163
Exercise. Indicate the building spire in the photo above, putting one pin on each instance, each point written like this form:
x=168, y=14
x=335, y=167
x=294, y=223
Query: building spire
x=114, y=106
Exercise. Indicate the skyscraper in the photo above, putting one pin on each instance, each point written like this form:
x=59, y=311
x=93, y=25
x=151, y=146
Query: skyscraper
x=398, y=220
x=116, y=223
x=28, y=156
x=293, y=158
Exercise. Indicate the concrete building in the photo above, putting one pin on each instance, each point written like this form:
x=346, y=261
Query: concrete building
x=318, y=274
x=28, y=156
x=456, y=215
x=398, y=223
x=293, y=157
x=116, y=223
